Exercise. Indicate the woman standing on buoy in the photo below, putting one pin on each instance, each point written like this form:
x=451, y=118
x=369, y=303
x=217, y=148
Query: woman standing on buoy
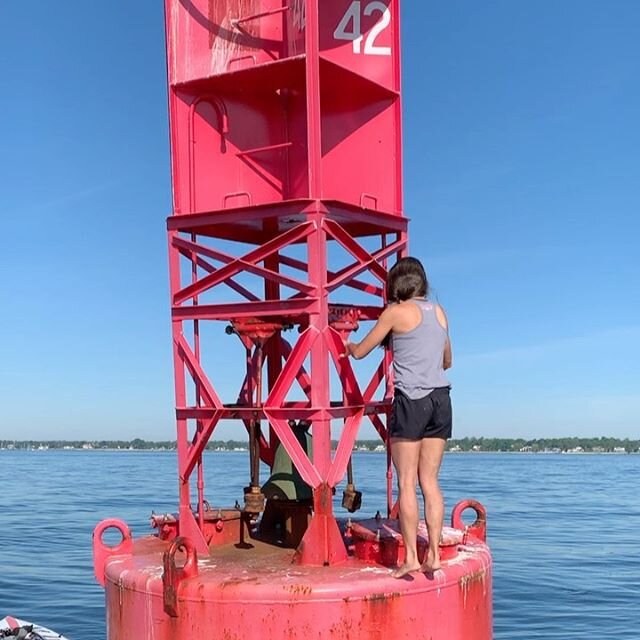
x=421, y=417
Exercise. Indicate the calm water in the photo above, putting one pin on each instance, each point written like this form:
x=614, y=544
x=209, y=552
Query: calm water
x=564, y=531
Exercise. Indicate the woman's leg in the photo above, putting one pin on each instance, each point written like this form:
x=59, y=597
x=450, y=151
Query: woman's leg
x=405, y=455
x=431, y=452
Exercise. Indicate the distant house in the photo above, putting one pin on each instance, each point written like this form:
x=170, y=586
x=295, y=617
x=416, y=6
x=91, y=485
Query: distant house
x=576, y=450
x=619, y=450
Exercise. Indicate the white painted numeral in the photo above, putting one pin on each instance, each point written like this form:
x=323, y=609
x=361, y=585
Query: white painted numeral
x=369, y=46
x=350, y=27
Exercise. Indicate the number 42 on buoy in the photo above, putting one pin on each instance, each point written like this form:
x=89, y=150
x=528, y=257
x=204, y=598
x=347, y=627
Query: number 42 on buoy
x=350, y=27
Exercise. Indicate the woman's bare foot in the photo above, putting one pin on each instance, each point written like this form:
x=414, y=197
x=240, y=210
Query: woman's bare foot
x=432, y=561
x=405, y=569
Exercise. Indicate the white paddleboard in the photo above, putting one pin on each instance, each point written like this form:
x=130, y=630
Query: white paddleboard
x=27, y=630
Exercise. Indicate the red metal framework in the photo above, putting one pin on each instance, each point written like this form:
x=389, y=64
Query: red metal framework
x=286, y=166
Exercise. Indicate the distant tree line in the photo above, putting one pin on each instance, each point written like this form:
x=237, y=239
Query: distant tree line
x=540, y=445
x=588, y=445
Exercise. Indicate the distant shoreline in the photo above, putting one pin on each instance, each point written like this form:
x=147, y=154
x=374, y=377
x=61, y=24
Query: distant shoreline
x=547, y=446
x=365, y=452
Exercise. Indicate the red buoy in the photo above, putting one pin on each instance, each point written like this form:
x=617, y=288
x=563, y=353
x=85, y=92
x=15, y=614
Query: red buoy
x=166, y=590
x=286, y=153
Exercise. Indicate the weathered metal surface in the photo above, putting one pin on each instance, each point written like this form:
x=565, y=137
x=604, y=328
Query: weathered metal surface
x=219, y=526
x=351, y=498
x=173, y=575
x=256, y=593
x=380, y=542
x=103, y=552
x=479, y=527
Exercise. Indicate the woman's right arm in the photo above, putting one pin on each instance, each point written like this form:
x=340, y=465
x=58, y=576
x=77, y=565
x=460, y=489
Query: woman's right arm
x=375, y=337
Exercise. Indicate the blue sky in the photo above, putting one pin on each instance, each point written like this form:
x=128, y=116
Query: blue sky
x=522, y=173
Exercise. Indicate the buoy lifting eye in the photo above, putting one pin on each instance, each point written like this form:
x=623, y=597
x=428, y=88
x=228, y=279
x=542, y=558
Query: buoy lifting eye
x=479, y=528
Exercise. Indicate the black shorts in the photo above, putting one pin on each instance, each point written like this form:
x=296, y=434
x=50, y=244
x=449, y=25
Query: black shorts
x=428, y=417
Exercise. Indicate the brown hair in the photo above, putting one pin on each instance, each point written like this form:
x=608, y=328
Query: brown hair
x=407, y=279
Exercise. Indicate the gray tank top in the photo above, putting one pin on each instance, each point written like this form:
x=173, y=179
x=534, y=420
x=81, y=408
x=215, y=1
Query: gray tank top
x=418, y=354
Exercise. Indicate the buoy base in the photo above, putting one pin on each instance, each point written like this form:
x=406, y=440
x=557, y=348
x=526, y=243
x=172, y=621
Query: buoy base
x=255, y=592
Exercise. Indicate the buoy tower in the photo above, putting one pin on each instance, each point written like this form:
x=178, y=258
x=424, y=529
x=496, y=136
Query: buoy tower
x=286, y=157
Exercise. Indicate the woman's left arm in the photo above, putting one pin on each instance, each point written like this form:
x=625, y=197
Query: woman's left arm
x=447, y=359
